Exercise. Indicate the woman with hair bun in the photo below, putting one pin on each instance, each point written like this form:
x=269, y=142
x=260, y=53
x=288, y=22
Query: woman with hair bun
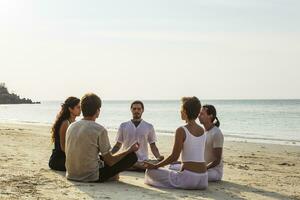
x=190, y=143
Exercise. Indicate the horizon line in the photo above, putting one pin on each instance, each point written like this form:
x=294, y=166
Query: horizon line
x=217, y=99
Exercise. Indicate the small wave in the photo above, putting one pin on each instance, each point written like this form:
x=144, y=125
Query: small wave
x=235, y=136
x=230, y=135
x=25, y=122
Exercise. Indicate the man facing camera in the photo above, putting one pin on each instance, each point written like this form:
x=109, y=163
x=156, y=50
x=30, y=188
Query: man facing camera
x=138, y=131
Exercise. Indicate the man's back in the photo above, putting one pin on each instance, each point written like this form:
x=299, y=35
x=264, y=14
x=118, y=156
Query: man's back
x=84, y=141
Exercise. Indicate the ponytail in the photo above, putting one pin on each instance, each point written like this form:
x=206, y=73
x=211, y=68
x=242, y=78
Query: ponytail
x=211, y=110
x=217, y=122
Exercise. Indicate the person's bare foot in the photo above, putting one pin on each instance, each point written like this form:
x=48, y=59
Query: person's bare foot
x=138, y=166
x=152, y=161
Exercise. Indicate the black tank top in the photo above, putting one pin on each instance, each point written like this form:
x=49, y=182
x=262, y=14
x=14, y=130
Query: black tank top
x=57, y=146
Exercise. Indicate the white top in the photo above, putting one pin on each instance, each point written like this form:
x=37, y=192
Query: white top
x=84, y=141
x=144, y=133
x=215, y=139
x=193, y=147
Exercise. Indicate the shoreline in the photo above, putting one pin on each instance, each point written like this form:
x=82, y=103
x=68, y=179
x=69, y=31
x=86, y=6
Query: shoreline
x=252, y=171
x=228, y=137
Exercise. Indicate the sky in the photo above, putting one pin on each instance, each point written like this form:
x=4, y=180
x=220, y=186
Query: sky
x=158, y=49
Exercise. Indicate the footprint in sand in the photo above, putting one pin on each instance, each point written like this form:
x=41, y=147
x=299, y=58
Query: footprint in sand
x=287, y=164
x=244, y=167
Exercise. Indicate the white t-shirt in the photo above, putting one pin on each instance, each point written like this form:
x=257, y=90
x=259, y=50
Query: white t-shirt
x=144, y=133
x=214, y=139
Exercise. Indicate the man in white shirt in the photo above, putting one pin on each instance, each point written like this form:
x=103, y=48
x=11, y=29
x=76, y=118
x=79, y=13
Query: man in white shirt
x=137, y=131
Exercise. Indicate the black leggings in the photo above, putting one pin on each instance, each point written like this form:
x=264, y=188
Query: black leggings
x=107, y=172
x=57, y=161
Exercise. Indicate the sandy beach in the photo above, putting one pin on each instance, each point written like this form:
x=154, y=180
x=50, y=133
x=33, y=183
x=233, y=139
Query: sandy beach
x=252, y=171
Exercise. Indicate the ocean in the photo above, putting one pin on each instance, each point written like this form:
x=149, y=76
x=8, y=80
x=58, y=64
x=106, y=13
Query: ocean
x=264, y=121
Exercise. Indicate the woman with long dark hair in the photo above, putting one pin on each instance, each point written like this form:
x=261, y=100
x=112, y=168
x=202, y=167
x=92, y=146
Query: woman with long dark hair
x=70, y=109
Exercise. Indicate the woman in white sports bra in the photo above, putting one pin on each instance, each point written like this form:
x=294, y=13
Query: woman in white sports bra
x=190, y=143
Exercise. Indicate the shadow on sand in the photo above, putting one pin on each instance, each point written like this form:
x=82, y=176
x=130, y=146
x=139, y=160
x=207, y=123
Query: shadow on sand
x=136, y=189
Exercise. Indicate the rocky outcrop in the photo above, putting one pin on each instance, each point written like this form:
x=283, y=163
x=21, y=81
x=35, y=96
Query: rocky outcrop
x=11, y=98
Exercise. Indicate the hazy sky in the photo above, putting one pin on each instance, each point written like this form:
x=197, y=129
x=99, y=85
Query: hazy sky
x=156, y=49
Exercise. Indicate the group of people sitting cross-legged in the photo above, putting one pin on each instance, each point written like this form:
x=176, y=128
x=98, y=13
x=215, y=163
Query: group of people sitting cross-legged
x=83, y=150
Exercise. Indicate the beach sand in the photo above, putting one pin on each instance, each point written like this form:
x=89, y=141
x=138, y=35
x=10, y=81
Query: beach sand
x=252, y=171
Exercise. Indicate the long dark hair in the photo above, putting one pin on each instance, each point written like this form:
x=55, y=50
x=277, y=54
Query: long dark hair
x=63, y=115
x=211, y=110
